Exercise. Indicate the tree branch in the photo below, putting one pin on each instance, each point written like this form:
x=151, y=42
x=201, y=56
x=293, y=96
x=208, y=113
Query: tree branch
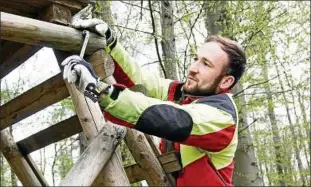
x=248, y=125
x=254, y=85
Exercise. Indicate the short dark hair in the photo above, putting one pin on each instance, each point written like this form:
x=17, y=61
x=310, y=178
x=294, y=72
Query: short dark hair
x=236, y=56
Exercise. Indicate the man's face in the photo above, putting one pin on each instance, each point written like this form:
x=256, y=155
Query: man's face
x=206, y=72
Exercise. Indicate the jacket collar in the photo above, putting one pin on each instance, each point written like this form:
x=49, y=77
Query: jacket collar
x=186, y=98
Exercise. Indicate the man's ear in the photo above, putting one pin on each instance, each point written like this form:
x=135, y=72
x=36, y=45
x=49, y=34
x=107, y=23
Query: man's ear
x=226, y=82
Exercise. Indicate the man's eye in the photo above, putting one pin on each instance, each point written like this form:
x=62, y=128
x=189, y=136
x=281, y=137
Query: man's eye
x=206, y=64
x=195, y=58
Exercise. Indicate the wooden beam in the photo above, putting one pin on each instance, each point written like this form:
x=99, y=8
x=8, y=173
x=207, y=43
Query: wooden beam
x=99, y=163
x=56, y=13
x=30, y=8
x=35, y=32
x=16, y=160
x=73, y=5
x=45, y=94
x=169, y=161
x=52, y=134
x=34, y=100
x=13, y=55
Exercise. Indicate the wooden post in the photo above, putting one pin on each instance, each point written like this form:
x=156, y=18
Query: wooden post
x=35, y=32
x=92, y=120
x=16, y=160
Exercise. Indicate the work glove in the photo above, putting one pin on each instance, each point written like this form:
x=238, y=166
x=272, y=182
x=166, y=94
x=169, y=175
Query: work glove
x=80, y=72
x=98, y=26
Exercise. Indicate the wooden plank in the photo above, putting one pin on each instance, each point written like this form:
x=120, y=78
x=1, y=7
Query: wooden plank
x=168, y=157
x=35, y=32
x=45, y=94
x=16, y=160
x=22, y=7
x=71, y=126
x=73, y=5
x=99, y=164
x=136, y=173
x=13, y=55
x=56, y=13
x=30, y=8
x=52, y=134
x=34, y=100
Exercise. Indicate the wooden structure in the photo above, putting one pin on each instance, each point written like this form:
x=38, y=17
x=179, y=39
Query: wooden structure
x=26, y=27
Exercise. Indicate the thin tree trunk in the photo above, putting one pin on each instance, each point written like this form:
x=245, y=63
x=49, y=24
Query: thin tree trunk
x=291, y=127
x=266, y=166
x=290, y=84
x=168, y=41
x=306, y=124
x=13, y=177
x=288, y=157
x=54, y=164
x=275, y=130
x=246, y=171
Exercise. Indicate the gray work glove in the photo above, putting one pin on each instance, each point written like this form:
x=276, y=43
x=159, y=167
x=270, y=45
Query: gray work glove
x=80, y=72
x=100, y=27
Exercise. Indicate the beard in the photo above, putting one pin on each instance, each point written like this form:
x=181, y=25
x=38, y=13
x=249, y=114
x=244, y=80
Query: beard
x=196, y=91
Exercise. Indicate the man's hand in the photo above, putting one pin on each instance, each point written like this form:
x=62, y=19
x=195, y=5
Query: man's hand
x=99, y=26
x=80, y=72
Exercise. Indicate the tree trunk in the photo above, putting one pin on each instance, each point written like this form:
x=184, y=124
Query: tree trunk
x=292, y=129
x=290, y=84
x=246, y=172
x=168, y=41
x=13, y=177
x=275, y=130
x=267, y=166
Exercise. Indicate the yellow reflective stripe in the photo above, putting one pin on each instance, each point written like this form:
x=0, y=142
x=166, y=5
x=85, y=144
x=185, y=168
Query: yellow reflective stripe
x=220, y=159
x=189, y=154
x=154, y=85
x=207, y=119
x=224, y=157
x=127, y=108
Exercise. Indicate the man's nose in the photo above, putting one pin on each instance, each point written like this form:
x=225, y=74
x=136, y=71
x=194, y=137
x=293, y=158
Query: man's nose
x=194, y=68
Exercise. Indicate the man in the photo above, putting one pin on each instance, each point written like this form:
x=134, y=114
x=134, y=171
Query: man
x=199, y=116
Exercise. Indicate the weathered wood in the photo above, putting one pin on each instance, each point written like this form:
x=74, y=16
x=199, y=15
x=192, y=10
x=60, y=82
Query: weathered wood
x=169, y=161
x=14, y=54
x=52, y=134
x=138, y=144
x=34, y=100
x=39, y=97
x=16, y=160
x=73, y=5
x=144, y=156
x=91, y=162
x=30, y=8
x=36, y=170
x=92, y=120
x=134, y=173
x=35, y=32
x=56, y=13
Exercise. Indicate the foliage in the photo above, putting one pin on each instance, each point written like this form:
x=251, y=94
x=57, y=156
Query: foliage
x=274, y=34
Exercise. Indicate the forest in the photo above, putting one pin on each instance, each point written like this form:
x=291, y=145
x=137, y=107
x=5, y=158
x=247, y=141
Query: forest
x=273, y=96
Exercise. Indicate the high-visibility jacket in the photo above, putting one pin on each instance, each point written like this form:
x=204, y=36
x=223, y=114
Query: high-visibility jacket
x=205, y=128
